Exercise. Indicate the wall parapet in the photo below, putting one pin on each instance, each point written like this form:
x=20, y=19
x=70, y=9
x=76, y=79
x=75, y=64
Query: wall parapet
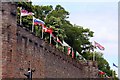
x=21, y=50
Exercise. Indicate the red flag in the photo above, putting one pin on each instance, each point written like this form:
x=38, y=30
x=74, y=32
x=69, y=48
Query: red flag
x=24, y=11
x=101, y=73
x=72, y=54
x=69, y=50
x=49, y=30
x=99, y=46
x=44, y=28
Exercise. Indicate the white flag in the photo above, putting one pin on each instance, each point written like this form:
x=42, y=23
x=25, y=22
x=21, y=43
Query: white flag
x=65, y=44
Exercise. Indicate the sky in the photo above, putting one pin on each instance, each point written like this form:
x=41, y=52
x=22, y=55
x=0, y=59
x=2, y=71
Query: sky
x=99, y=16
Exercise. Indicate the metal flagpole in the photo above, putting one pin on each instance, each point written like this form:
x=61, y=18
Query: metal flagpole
x=113, y=73
x=42, y=31
x=33, y=25
x=50, y=38
x=20, y=16
x=94, y=54
x=20, y=19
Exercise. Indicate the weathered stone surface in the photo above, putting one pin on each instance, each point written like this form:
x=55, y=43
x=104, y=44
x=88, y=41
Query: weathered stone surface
x=19, y=50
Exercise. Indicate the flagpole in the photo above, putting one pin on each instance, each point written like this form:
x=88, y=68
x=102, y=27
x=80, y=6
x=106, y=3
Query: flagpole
x=94, y=53
x=64, y=48
x=33, y=25
x=20, y=16
x=93, y=56
x=20, y=20
x=42, y=31
x=50, y=38
x=113, y=73
x=56, y=44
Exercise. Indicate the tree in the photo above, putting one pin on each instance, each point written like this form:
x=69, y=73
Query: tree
x=76, y=36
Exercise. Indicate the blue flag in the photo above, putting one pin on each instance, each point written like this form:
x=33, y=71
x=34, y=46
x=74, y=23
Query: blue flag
x=115, y=65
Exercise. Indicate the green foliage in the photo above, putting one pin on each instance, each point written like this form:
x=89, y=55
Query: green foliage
x=103, y=65
x=78, y=38
x=75, y=35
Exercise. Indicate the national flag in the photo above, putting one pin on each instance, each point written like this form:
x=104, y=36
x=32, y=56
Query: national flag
x=65, y=44
x=78, y=55
x=69, y=50
x=115, y=65
x=26, y=13
x=38, y=22
x=49, y=30
x=58, y=40
x=44, y=28
x=99, y=46
x=101, y=72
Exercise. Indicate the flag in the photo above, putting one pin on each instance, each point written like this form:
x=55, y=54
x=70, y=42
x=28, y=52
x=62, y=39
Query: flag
x=72, y=53
x=65, y=44
x=38, y=22
x=115, y=65
x=99, y=46
x=101, y=73
x=53, y=36
x=26, y=13
x=44, y=28
x=33, y=24
x=59, y=40
x=49, y=30
x=69, y=50
x=78, y=55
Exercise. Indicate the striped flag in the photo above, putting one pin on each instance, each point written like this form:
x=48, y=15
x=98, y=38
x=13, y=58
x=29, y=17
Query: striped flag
x=65, y=44
x=99, y=46
x=26, y=13
x=38, y=21
x=58, y=40
x=78, y=55
x=69, y=50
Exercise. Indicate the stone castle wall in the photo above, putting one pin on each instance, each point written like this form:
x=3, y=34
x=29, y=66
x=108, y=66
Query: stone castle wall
x=20, y=49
